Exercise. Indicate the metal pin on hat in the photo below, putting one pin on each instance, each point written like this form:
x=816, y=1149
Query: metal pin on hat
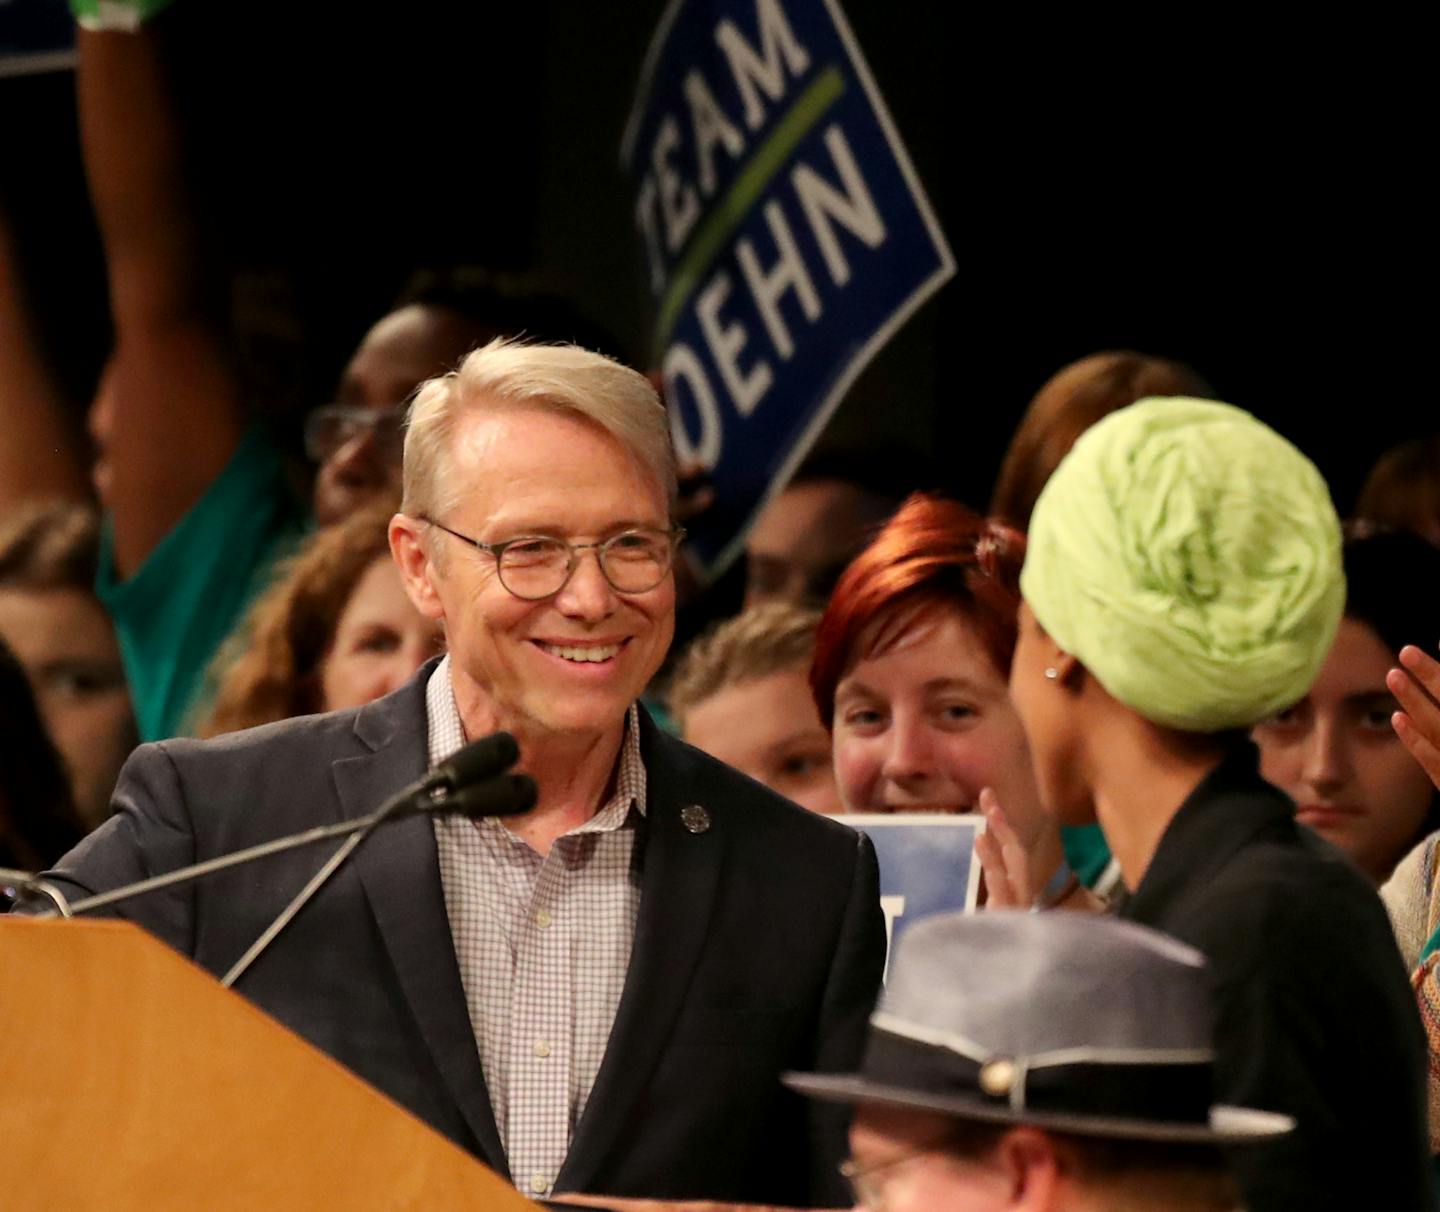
x=695, y=818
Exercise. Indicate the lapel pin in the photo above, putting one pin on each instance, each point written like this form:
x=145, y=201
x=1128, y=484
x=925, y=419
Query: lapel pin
x=695, y=818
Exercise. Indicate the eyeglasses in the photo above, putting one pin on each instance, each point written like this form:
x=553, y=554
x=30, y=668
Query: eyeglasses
x=333, y=426
x=533, y=567
x=869, y=1182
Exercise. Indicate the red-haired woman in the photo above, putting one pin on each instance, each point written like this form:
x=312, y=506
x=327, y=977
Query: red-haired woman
x=911, y=669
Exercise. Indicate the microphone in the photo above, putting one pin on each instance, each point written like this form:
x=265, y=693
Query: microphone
x=459, y=785
x=469, y=764
x=467, y=777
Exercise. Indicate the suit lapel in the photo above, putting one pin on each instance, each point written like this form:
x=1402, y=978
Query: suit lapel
x=678, y=884
x=400, y=873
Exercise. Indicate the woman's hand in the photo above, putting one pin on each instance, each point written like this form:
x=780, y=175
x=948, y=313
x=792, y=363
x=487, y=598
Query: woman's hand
x=1416, y=685
x=1018, y=866
x=1012, y=863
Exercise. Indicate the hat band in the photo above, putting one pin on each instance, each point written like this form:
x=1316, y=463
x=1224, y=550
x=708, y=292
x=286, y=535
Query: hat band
x=1169, y=1092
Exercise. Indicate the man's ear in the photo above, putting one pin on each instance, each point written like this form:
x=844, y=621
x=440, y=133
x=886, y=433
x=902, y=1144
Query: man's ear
x=1032, y=1166
x=417, y=570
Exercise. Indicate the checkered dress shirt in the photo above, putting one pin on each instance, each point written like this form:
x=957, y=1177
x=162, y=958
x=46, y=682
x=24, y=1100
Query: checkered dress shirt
x=543, y=945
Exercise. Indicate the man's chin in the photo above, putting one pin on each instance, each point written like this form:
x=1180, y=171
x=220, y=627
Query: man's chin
x=580, y=714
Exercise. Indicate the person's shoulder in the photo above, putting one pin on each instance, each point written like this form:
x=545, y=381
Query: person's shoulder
x=307, y=732
x=282, y=747
x=1282, y=868
x=1298, y=895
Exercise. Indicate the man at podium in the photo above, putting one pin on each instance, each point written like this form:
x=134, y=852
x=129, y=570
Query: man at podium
x=597, y=995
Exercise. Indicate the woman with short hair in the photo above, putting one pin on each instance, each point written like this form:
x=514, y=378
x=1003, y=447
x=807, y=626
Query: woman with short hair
x=912, y=660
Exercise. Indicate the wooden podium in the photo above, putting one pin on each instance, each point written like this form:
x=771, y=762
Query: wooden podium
x=130, y=1079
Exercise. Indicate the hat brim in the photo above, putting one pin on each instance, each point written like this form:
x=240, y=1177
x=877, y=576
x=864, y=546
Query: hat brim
x=1228, y=1125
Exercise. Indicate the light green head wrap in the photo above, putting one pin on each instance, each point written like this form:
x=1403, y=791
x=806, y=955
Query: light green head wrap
x=1189, y=556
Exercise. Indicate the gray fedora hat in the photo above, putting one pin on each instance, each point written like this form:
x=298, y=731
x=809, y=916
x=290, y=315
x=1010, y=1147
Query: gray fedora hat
x=1067, y=1021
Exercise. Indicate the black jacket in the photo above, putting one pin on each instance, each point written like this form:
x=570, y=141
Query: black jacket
x=759, y=948
x=1315, y=1015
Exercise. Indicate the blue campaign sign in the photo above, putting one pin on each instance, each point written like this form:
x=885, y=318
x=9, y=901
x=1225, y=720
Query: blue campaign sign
x=786, y=237
x=927, y=865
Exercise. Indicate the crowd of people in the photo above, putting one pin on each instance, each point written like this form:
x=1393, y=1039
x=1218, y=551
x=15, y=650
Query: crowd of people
x=1200, y=717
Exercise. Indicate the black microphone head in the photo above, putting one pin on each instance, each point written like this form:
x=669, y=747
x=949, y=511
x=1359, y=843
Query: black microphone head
x=480, y=759
x=503, y=795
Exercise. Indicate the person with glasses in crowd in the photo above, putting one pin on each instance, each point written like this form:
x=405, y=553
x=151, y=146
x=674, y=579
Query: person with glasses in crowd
x=599, y=994
x=197, y=487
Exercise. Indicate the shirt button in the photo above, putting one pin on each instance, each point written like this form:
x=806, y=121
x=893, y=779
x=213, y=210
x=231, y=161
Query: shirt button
x=542, y=1049
x=543, y=919
x=539, y=1183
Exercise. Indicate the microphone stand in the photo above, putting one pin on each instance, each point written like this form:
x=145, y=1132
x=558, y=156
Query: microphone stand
x=364, y=828
x=468, y=783
x=196, y=871
x=16, y=884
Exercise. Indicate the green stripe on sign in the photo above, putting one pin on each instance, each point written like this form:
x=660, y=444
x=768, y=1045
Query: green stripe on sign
x=720, y=224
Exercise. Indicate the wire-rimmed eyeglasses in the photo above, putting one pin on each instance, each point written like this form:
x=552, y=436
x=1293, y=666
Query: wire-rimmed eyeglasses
x=333, y=426
x=532, y=567
x=870, y=1182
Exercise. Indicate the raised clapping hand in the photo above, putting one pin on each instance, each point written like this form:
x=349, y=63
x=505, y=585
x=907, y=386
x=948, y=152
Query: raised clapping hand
x=1018, y=865
x=1416, y=685
x=1005, y=858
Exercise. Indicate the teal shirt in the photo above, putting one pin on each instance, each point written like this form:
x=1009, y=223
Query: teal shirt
x=185, y=599
x=1085, y=851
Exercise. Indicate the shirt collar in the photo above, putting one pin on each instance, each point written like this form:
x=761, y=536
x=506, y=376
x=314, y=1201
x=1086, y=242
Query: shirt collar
x=447, y=734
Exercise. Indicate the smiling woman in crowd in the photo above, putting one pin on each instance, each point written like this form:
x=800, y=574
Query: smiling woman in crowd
x=911, y=663
x=1334, y=752
x=336, y=630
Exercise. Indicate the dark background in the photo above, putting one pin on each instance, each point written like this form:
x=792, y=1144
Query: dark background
x=1247, y=199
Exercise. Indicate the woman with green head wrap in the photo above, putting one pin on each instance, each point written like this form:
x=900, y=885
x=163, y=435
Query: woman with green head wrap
x=1183, y=581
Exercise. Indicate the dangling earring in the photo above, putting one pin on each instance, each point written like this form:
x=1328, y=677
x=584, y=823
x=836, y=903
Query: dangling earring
x=1051, y=673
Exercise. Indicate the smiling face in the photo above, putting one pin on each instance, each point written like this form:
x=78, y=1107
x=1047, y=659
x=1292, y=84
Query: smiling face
x=380, y=640
x=927, y=723
x=570, y=664
x=1335, y=754
x=768, y=727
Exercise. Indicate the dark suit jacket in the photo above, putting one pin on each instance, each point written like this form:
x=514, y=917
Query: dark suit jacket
x=1315, y=1016
x=759, y=948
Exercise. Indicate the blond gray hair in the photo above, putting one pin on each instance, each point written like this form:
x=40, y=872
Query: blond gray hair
x=559, y=378
x=771, y=638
